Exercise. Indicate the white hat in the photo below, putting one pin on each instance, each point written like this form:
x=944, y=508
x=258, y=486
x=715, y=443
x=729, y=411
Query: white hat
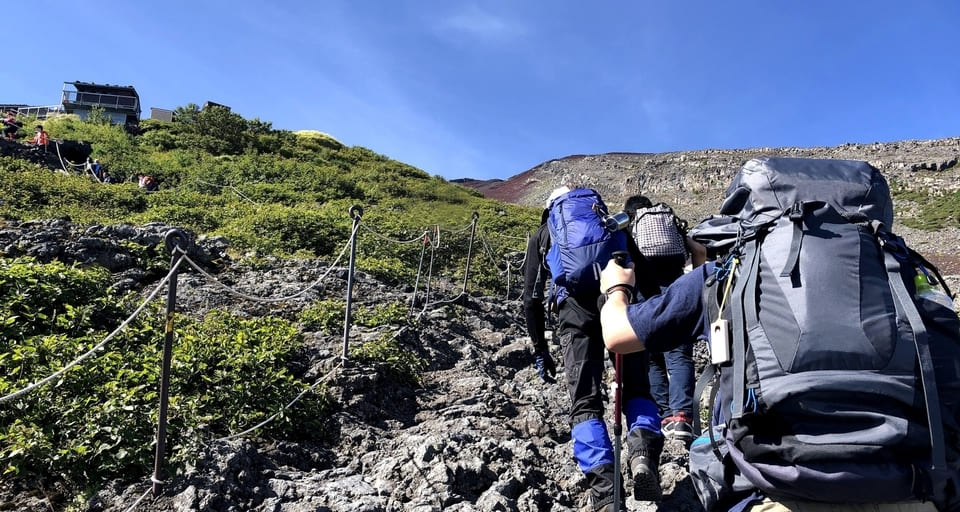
x=557, y=192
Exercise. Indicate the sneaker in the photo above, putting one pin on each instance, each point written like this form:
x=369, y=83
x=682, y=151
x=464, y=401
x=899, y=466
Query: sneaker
x=678, y=426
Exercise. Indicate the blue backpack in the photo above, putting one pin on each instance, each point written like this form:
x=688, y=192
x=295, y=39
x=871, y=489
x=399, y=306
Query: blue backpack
x=836, y=381
x=580, y=243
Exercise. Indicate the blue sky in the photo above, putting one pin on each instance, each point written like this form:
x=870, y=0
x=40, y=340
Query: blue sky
x=489, y=89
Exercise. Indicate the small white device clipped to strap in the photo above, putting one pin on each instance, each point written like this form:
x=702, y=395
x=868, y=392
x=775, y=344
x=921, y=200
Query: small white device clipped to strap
x=720, y=328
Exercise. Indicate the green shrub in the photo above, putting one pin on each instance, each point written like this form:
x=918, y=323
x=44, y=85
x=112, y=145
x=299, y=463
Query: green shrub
x=98, y=420
x=402, y=364
x=323, y=315
x=328, y=315
x=275, y=192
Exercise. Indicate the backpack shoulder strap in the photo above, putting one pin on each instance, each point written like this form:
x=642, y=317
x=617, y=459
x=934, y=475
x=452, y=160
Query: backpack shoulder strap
x=939, y=473
x=744, y=293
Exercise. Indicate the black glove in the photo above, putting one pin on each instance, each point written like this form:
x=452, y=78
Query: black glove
x=546, y=367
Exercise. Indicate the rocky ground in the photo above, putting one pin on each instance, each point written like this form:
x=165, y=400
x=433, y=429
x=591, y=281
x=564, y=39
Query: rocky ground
x=482, y=433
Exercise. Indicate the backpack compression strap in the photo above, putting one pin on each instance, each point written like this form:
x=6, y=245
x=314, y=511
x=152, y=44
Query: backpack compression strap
x=939, y=473
x=745, y=292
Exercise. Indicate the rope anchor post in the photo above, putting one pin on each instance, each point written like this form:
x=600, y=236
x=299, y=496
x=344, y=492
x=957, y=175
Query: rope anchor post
x=466, y=271
x=356, y=212
x=176, y=242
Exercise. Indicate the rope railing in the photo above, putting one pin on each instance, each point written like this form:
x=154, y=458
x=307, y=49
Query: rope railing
x=388, y=239
x=143, y=496
x=86, y=355
x=232, y=189
x=238, y=293
x=180, y=257
x=275, y=415
x=60, y=157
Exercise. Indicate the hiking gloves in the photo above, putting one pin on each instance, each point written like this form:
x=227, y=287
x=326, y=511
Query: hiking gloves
x=546, y=367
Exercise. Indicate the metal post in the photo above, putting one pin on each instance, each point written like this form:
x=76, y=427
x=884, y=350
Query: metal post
x=473, y=231
x=416, y=283
x=174, y=239
x=426, y=296
x=507, y=261
x=356, y=212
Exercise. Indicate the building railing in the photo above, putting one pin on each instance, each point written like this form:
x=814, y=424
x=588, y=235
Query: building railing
x=93, y=99
x=40, y=112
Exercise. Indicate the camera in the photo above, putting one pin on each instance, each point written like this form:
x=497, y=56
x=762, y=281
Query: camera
x=616, y=222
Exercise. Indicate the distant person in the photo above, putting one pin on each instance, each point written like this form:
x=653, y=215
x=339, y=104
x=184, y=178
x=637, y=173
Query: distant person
x=11, y=126
x=108, y=178
x=148, y=183
x=41, y=139
x=97, y=169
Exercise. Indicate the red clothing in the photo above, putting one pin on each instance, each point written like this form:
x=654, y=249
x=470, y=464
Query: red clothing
x=42, y=138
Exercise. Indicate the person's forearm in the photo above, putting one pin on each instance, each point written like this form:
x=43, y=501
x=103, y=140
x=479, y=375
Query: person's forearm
x=618, y=335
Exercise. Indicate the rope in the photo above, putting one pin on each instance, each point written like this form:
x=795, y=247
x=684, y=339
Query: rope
x=100, y=345
x=59, y=157
x=388, y=239
x=232, y=189
x=142, y=496
x=263, y=299
x=501, y=235
x=289, y=405
x=455, y=231
x=439, y=302
x=487, y=249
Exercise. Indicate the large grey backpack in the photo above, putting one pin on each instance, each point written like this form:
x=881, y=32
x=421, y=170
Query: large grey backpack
x=836, y=383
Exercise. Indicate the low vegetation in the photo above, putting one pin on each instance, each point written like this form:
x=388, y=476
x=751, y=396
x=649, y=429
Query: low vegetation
x=98, y=421
x=270, y=193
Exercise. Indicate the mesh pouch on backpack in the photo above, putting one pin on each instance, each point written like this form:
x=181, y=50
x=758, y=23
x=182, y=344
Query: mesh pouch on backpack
x=842, y=386
x=656, y=233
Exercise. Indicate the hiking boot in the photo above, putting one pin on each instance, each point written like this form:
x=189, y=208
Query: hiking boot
x=646, y=478
x=645, y=448
x=600, y=497
x=678, y=426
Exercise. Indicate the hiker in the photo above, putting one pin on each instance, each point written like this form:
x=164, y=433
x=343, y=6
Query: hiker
x=535, y=274
x=93, y=168
x=108, y=178
x=96, y=169
x=41, y=139
x=11, y=126
x=817, y=409
x=584, y=358
x=148, y=183
x=672, y=372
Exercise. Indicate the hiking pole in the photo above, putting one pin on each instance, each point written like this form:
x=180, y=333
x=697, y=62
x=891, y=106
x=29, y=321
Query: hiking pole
x=620, y=258
x=617, y=430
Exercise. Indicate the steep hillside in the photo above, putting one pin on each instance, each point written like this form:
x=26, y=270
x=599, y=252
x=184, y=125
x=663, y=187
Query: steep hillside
x=693, y=182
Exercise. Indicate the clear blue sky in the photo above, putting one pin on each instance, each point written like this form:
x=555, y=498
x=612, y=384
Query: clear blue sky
x=488, y=89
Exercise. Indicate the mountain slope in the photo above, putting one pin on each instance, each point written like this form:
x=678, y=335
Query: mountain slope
x=923, y=174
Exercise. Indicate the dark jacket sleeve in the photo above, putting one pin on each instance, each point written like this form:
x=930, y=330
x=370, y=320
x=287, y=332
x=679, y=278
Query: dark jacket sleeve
x=666, y=320
x=535, y=275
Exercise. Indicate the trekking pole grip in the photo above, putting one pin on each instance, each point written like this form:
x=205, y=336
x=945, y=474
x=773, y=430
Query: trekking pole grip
x=621, y=257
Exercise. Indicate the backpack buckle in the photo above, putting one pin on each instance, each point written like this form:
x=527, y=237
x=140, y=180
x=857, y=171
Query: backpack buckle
x=795, y=213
